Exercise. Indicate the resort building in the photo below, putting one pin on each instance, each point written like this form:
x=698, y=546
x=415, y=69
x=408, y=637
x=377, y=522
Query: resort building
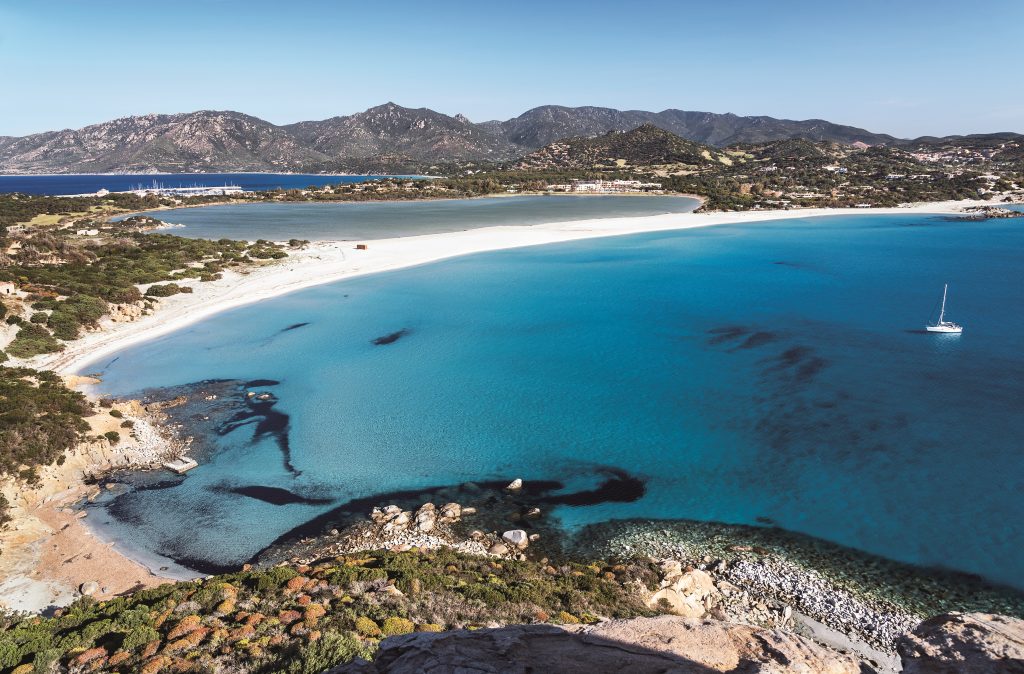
x=605, y=186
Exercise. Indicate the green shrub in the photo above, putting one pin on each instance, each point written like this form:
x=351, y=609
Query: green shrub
x=44, y=660
x=165, y=290
x=117, y=414
x=63, y=326
x=69, y=316
x=367, y=627
x=139, y=636
x=32, y=340
x=274, y=578
x=393, y=626
x=113, y=436
x=39, y=317
x=330, y=650
x=5, y=515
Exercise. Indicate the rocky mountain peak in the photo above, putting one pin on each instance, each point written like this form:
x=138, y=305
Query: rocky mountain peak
x=226, y=140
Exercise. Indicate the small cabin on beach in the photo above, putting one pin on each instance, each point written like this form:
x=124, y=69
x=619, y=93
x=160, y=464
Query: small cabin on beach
x=362, y=246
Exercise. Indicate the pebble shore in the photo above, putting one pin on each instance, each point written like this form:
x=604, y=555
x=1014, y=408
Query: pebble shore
x=866, y=598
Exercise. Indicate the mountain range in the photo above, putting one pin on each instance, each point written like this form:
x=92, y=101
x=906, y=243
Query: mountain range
x=384, y=137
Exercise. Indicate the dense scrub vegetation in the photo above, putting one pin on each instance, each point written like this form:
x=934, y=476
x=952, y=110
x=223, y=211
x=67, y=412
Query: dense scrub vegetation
x=111, y=270
x=23, y=208
x=72, y=281
x=39, y=419
x=305, y=619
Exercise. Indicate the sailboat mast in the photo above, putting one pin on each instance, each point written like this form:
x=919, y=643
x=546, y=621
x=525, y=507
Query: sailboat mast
x=942, y=311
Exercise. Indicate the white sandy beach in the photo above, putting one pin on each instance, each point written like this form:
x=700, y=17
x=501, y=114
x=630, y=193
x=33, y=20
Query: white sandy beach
x=325, y=262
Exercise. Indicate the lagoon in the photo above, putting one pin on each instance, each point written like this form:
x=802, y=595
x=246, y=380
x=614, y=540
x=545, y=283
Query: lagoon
x=347, y=220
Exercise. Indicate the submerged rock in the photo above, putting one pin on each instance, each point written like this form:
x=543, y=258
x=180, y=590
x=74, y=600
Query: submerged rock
x=662, y=644
x=972, y=643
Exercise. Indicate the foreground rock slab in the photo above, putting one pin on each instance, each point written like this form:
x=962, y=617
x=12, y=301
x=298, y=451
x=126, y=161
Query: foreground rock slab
x=661, y=644
x=971, y=643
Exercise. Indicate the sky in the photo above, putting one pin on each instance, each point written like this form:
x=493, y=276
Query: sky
x=904, y=67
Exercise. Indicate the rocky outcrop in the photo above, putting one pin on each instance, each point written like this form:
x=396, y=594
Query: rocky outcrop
x=972, y=643
x=128, y=312
x=516, y=538
x=662, y=644
x=690, y=594
x=988, y=212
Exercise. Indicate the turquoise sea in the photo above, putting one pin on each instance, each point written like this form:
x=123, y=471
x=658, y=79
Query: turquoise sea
x=333, y=221
x=769, y=374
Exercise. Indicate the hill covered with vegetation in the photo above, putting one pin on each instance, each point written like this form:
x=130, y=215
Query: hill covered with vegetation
x=644, y=146
x=307, y=618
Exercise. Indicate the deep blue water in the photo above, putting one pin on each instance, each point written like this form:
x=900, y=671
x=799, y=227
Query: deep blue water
x=373, y=220
x=775, y=370
x=89, y=183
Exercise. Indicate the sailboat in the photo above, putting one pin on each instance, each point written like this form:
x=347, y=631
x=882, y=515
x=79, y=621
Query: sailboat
x=943, y=325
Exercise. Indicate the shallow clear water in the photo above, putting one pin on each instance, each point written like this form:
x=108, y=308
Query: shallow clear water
x=379, y=220
x=775, y=370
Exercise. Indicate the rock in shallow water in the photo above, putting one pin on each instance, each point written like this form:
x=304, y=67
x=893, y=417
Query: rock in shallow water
x=451, y=511
x=662, y=644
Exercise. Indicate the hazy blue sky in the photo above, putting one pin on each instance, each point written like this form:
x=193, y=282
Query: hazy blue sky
x=901, y=66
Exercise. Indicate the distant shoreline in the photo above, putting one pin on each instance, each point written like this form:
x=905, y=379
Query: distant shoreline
x=213, y=173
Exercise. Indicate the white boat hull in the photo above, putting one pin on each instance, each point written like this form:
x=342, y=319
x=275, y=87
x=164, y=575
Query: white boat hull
x=944, y=326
